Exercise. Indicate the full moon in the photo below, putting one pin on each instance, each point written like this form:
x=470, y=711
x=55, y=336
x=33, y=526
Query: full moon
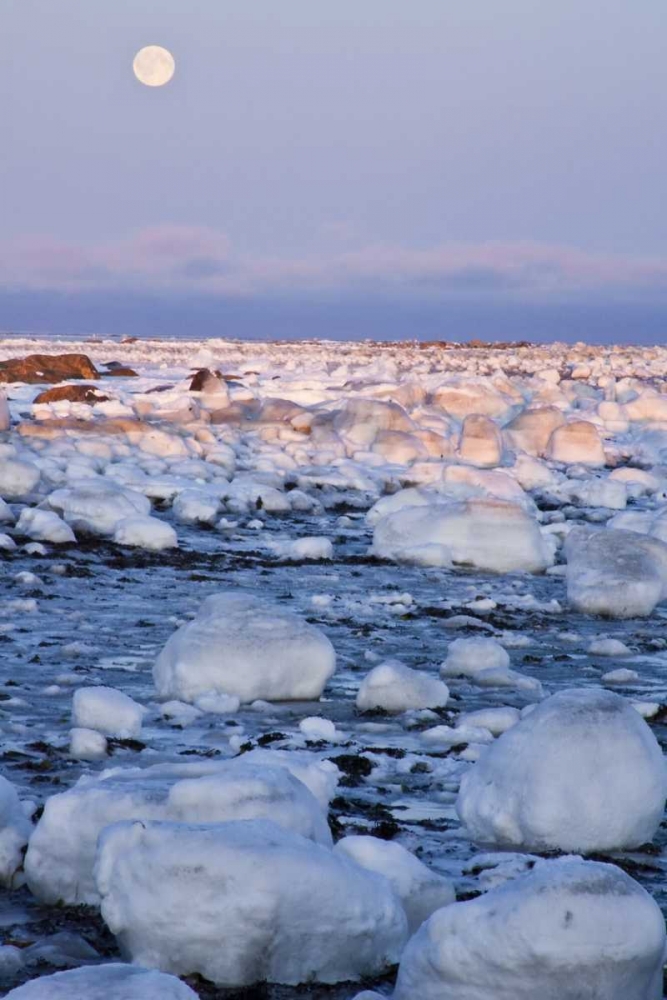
x=154, y=66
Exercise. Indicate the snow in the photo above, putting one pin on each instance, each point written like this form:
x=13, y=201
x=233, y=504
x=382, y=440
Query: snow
x=302, y=549
x=107, y=711
x=15, y=828
x=581, y=772
x=394, y=687
x=262, y=904
x=97, y=506
x=615, y=573
x=420, y=890
x=567, y=930
x=242, y=645
x=470, y=657
x=145, y=533
x=114, y=981
x=493, y=535
x=61, y=853
x=87, y=744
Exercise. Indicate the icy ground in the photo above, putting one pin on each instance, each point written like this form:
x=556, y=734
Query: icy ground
x=293, y=448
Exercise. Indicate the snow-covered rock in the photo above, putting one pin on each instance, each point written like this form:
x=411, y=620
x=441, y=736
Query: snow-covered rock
x=262, y=904
x=114, y=981
x=44, y=526
x=394, y=687
x=581, y=772
x=145, y=533
x=312, y=547
x=242, y=645
x=196, y=506
x=15, y=828
x=568, y=930
x=615, y=573
x=61, y=853
x=421, y=890
x=492, y=535
x=87, y=744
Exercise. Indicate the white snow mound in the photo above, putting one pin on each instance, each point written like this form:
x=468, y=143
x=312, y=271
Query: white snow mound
x=393, y=687
x=104, y=982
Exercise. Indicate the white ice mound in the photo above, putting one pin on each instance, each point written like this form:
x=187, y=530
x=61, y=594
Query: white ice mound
x=97, y=505
x=105, y=982
x=15, y=828
x=421, y=890
x=490, y=534
x=568, y=930
x=145, y=533
x=393, y=687
x=242, y=645
x=107, y=711
x=485, y=662
x=17, y=478
x=262, y=904
x=61, y=853
x=576, y=443
x=616, y=573
x=581, y=772
x=44, y=526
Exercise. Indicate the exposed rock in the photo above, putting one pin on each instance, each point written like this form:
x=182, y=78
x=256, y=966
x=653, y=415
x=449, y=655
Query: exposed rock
x=207, y=381
x=37, y=368
x=121, y=371
x=71, y=393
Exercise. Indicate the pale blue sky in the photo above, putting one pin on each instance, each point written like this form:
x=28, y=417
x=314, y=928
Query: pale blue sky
x=413, y=150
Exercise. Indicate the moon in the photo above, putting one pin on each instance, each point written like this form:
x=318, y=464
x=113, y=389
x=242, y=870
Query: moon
x=154, y=66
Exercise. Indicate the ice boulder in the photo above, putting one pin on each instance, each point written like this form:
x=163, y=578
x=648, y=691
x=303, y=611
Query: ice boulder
x=481, y=441
x=421, y=890
x=17, y=478
x=615, y=573
x=531, y=430
x=104, y=982
x=242, y=645
x=107, y=711
x=5, y=415
x=493, y=535
x=393, y=687
x=61, y=853
x=576, y=443
x=145, y=533
x=44, y=526
x=15, y=828
x=581, y=772
x=568, y=930
x=262, y=904
x=97, y=506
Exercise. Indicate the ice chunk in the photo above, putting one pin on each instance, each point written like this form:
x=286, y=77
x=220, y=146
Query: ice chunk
x=104, y=982
x=242, y=645
x=15, y=828
x=145, y=533
x=576, y=443
x=17, y=478
x=87, y=744
x=468, y=657
x=97, y=506
x=44, y=526
x=581, y=772
x=616, y=573
x=492, y=535
x=481, y=442
x=59, y=862
x=421, y=890
x=393, y=687
x=107, y=711
x=567, y=930
x=262, y=904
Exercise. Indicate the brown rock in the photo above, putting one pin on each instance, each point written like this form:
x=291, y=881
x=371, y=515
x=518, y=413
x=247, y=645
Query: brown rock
x=72, y=393
x=121, y=372
x=207, y=381
x=36, y=368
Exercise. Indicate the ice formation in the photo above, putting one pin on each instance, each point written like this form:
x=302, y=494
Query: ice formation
x=263, y=904
x=393, y=687
x=15, y=828
x=567, y=930
x=242, y=645
x=581, y=772
x=105, y=982
x=61, y=853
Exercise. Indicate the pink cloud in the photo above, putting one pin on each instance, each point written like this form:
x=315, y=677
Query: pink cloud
x=188, y=259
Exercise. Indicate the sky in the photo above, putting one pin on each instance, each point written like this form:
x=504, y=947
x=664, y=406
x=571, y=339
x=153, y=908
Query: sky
x=439, y=169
